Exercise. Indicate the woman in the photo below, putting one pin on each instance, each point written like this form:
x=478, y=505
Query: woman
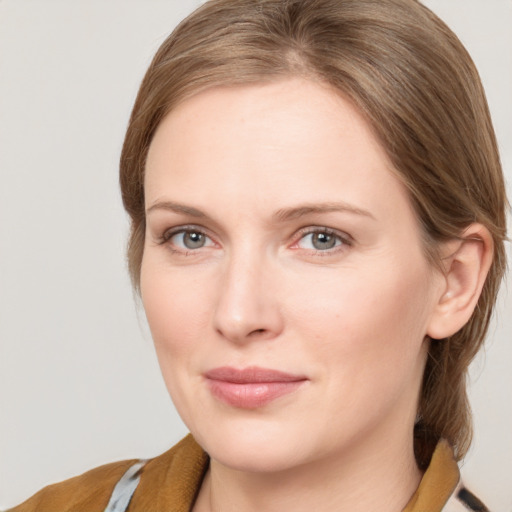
x=318, y=217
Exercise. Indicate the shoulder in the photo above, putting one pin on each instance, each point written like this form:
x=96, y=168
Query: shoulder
x=441, y=489
x=174, y=475
x=89, y=491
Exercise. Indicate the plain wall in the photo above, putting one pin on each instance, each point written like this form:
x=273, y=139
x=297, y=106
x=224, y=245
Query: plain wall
x=79, y=381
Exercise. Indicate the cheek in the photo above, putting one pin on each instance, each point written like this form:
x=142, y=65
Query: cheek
x=175, y=307
x=366, y=339
x=174, y=303
x=365, y=320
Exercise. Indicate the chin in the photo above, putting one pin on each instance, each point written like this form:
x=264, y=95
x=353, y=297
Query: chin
x=253, y=446
x=254, y=458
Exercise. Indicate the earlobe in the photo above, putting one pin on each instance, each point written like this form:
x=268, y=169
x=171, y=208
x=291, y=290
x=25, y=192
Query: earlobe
x=466, y=263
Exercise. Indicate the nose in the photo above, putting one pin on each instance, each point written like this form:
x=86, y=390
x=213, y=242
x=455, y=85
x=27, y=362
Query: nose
x=247, y=307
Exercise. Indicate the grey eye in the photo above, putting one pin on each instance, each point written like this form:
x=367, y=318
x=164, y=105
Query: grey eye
x=188, y=240
x=320, y=241
x=323, y=241
x=193, y=239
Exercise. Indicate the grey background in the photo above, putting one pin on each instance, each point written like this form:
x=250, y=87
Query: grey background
x=79, y=381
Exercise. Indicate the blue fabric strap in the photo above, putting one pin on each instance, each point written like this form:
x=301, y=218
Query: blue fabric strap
x=124, y=489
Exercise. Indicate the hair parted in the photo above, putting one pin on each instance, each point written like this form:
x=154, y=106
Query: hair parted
x=415, y=84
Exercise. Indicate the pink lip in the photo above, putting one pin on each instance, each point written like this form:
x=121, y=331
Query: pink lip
x=251, y=387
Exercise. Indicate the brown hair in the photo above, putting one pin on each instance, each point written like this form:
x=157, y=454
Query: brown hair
x=418, y=88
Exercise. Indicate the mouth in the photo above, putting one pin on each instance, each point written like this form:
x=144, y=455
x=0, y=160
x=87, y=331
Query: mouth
x=252, y=387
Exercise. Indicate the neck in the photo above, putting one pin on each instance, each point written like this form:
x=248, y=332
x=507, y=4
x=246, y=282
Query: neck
x=376, y=476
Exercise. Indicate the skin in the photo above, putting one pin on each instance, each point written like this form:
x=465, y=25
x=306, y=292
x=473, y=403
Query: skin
x=352, y=319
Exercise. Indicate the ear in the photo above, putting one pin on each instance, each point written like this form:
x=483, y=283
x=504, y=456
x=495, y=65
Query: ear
x=466, y=262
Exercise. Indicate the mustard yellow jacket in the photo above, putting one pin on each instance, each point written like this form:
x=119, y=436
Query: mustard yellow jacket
x=171, y=481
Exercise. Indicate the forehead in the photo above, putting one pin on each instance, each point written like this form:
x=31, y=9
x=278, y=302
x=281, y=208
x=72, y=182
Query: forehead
x=280, y=142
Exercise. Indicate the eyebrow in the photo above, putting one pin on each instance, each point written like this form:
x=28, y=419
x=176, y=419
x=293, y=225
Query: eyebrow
x=281, y=215
x=177, y=208
x=296, y=212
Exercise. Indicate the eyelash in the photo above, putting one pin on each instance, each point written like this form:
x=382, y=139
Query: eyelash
x=170, y=233
x=342, y=239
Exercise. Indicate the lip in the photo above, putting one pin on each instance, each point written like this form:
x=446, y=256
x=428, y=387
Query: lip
x=252, y=387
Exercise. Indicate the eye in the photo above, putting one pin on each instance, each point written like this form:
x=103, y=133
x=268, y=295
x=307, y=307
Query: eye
x=187, y=239
x=321, y=239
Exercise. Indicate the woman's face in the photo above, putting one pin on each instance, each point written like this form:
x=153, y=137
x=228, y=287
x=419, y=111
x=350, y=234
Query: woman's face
x=283, y=277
